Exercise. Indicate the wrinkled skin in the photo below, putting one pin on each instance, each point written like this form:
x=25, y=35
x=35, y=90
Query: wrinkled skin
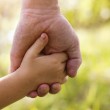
x=62, y=38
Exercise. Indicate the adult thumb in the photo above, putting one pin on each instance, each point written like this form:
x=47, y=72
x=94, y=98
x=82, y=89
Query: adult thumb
x=38, y=46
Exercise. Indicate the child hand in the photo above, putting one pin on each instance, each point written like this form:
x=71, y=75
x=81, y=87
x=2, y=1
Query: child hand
x=37, y=69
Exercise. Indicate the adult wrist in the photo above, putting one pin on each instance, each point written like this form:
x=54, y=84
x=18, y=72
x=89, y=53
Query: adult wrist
x=40, y=7
x=40, y=4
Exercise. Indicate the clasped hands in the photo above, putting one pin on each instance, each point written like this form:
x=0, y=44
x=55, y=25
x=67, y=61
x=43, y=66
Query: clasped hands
x=61, y=38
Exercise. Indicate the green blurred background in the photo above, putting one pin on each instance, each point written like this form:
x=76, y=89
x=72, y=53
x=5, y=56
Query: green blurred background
x=90, y=90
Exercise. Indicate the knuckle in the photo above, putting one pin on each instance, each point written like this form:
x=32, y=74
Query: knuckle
x=14, y=55
x=77, y=64
x=55, y=61
x=76, y=44
x=77, y=40
x=60, y=69
x=62, y=77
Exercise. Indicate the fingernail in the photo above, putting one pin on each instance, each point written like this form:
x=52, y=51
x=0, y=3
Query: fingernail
x=43, y=36
x=72, y=73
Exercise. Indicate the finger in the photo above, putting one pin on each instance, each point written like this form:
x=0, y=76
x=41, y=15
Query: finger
x=74, y=61
x=23, y=39
x=73, y=66
x=65, y=80
x=43, y=90
x=19, y=48
x=32, y=94
x=61, y=57
x=38, y=46
x=55, y=88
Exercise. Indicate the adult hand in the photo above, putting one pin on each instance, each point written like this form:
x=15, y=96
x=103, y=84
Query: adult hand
x=37, y=68
x=62, y=38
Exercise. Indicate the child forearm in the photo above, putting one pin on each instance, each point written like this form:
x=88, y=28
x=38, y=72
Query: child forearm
x=12, y=88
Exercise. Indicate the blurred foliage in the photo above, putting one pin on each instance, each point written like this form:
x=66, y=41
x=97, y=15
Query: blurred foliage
x=87, y=13
x=90, y=90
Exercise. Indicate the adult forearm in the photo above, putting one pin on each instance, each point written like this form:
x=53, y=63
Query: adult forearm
x=40, y=3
